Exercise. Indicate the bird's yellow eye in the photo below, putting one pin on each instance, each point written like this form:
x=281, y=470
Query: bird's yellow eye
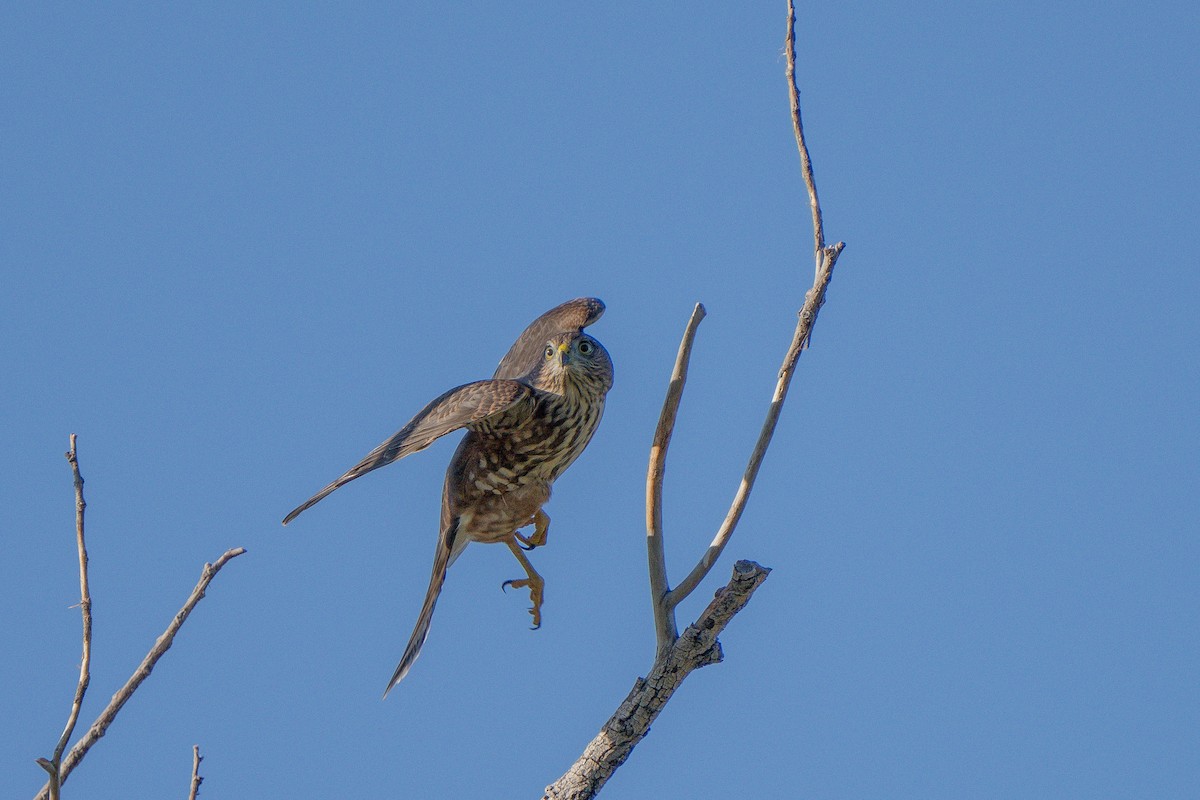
x=549, y=351
x=585, y=347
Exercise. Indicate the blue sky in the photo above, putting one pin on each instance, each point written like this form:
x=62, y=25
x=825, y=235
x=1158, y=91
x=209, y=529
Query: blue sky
x=244, y=243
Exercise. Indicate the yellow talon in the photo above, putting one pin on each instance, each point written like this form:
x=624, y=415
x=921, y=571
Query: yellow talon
x=541, y=525
x=534, y=582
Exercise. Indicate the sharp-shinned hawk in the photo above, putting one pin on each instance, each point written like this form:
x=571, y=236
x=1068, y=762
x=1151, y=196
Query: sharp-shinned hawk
x=524, y=427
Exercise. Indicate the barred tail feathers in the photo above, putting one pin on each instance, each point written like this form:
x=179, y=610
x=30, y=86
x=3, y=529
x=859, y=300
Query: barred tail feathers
x=441, y=561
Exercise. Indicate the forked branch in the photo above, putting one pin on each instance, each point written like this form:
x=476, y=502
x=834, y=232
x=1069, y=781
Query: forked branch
x=677, y=656
x=59, y=767
x=664, y=616
x=697, y=647
x=665, y=600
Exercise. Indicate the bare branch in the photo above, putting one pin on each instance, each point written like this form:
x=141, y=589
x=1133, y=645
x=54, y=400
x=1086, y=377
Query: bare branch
x=85, y=607
x=697, y=647
x=826, y=257
x=52, y=786
x=664, y=616
x=100, y=726
x=798, y=128
x=52, y=765
x=808, y=316
x=196, y=779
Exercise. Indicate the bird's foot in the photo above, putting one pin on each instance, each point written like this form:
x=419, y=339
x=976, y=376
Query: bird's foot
x=541, y=526
x=536, y=587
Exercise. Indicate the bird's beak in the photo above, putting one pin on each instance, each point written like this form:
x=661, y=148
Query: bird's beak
x=564, y=355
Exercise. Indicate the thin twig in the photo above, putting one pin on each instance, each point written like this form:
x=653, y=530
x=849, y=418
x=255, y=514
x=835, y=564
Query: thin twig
x=697, y=647
x=826, y=257
x=798, y=128
x=664, y=616
x=196, y=779
x=85, y=607
x=53, y=764
x=100, y=726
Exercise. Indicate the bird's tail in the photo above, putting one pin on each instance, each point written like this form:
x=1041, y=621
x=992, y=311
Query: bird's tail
x=441, y=561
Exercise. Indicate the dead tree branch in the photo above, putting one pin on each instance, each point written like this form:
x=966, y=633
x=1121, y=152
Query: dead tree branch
x=808, y=316
x=677, y=656
x=53, y=764
x=196, y=779
x=59, y=768
x=697, y=647
x=664, y=615
x=810, y=183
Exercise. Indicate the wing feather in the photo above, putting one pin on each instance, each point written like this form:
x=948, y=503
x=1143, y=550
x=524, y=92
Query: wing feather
x=455, y=409
x=526, y=353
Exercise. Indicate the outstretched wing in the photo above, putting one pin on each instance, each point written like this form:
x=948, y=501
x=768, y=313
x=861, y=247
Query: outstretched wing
x=455, y=409
x=526, y=353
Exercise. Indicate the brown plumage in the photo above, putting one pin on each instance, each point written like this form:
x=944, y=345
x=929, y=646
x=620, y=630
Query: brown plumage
x=524, y=428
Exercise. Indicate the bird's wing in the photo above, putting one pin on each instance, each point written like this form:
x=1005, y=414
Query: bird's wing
x=526, y=353
x=455, y=409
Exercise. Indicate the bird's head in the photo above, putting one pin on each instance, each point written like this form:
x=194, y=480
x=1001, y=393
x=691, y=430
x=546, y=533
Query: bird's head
x=575, y=359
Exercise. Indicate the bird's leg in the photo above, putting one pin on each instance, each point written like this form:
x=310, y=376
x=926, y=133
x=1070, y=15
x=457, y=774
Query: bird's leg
x=541, y=525
x=533, y=581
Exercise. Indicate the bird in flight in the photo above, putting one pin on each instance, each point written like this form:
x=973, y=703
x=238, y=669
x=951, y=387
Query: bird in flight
x=525, y=426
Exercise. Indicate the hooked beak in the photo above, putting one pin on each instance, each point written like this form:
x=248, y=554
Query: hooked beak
x=564, y=354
